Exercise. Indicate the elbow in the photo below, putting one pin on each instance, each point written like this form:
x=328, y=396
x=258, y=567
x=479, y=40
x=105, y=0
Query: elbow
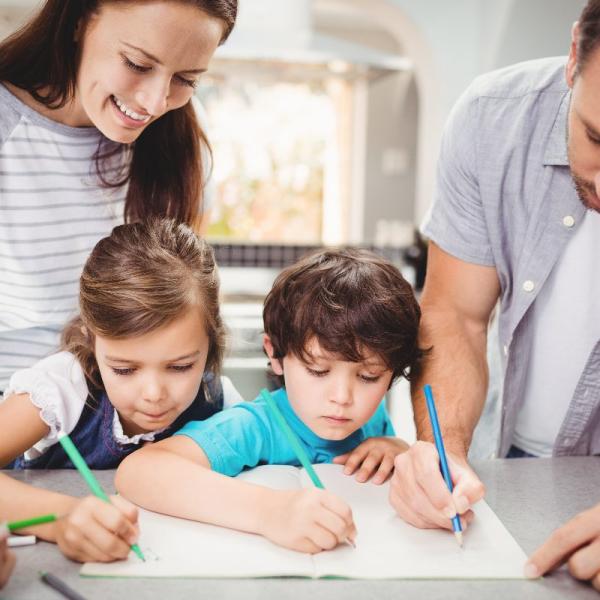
x=128, y=474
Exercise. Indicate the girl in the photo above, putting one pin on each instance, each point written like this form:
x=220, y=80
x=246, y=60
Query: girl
x=340, y=326
x=96, y=129
x=141, y=359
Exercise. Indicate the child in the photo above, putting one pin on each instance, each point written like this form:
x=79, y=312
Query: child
x=141, y=360
x=340, y=326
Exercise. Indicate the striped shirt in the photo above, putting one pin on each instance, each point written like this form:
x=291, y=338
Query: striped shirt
x=53, y=210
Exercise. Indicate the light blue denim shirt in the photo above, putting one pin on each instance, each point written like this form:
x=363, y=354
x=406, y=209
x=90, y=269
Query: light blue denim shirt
x=505, y=198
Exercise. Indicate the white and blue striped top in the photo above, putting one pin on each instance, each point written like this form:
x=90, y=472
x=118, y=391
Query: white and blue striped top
x=52, y=212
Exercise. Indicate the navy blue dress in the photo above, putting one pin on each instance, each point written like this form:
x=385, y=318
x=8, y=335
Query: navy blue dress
x=94, y=438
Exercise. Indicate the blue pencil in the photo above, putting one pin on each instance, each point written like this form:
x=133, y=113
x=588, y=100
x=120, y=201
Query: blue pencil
x=439, y=444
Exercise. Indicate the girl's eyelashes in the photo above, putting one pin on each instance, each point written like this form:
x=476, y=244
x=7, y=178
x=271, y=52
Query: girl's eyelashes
x=123, y=370
x=180, y=368
x=131, y=370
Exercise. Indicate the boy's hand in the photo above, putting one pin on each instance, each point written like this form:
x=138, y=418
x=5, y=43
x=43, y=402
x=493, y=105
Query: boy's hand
x=308, y=520
x=373, y=457
x=7, y=560
x=98, y=531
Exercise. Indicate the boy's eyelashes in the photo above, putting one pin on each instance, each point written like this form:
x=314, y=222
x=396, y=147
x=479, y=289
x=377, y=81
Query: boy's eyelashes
x=130, y=370
x=323, y=372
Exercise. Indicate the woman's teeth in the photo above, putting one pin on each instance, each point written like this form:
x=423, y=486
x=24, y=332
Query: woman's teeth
x=129, y=112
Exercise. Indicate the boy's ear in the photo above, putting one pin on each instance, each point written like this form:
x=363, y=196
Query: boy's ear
x=276, y=363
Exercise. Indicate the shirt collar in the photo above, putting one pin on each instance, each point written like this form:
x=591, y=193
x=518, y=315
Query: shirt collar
x=556, y=149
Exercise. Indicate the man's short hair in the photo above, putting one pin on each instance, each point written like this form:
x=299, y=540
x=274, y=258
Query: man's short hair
x=589, y=33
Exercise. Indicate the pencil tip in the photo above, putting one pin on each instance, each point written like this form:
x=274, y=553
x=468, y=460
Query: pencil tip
x=459, y=538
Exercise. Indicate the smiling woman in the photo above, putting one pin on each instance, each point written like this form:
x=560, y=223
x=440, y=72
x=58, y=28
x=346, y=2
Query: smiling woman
x=97, y=128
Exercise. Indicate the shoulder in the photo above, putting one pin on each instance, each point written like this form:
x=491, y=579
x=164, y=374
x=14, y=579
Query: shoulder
x=57, y=386
x=522, y=79
x=9, y=113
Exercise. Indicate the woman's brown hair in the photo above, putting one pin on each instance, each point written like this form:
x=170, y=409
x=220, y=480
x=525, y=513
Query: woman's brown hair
x=350, y=300
x=140, y=278
x=43, y=57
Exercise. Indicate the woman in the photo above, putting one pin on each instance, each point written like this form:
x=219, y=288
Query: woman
x=97, y=127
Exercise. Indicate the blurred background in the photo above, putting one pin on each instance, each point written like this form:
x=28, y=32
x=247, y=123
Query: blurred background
x=325, y=118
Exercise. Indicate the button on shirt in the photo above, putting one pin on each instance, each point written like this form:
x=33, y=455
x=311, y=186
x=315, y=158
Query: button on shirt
x=505, y=198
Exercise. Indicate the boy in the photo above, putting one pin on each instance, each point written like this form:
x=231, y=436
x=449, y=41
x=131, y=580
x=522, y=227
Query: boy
x=340, y=326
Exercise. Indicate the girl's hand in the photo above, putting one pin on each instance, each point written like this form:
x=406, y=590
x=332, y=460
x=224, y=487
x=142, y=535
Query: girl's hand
x=308, y=520
x=374, y=457
x=7, y=560
x=98, y=531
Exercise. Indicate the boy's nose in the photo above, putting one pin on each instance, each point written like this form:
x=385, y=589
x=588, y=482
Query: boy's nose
x=341, y=391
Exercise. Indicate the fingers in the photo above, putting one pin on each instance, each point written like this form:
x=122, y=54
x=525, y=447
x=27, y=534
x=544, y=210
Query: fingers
x=384, y=470
x=7, y=558
x=98, y=531
x=563, y=542
x=337, y=519
x=585, y=563
x=420, y=495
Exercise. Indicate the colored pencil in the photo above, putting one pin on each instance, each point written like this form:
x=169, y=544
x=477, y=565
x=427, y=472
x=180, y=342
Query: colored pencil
x=60, y=586
x=88, y=476
x=439, y=444
x=30, y=522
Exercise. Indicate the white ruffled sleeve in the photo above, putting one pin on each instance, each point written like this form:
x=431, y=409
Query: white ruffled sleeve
x=56, y=385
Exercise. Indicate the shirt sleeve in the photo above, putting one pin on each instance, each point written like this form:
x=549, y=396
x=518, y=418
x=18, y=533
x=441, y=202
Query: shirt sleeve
x=57, y=386
x=456, y=222
x=233, y=439
x=209, y=185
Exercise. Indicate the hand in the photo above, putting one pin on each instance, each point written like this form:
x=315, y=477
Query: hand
x=7, y=560
x=308, y=520
x=578, y=543
x=98, y=531
x=375, y=457
x=420, y=495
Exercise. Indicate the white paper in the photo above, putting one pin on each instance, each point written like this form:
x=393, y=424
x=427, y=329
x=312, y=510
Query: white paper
x=387, y=547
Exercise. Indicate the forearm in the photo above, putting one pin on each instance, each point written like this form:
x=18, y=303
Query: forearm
x=456, y=368
x=165, y=482
x=21, y=501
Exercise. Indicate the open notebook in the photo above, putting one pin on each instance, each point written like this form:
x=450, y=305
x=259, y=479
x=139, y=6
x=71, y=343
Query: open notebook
x=386, y=547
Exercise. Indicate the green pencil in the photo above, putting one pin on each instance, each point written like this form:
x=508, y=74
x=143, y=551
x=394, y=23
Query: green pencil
x=295, y=444
x=88, y=476
x=292, y=439
x=15, y=525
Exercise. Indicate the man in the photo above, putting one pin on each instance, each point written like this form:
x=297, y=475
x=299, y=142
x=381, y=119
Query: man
x=516, y=218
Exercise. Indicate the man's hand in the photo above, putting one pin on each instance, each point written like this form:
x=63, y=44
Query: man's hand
x=373, y=457
x=577, y=542
x=420, y=495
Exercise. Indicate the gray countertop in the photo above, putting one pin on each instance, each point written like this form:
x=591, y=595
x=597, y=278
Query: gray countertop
x=531, y=496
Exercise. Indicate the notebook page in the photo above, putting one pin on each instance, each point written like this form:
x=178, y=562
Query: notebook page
x=180, y=548
x=387, y=547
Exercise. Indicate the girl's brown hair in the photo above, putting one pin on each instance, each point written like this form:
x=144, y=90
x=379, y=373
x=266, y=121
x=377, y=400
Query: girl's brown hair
x=43, y=57
x=350, y=300
x=142, y=277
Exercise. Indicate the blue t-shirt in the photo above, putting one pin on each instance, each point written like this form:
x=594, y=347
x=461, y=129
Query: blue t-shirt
x=247, y=435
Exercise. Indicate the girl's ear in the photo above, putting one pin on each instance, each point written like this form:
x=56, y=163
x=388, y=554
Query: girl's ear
x=276, y=363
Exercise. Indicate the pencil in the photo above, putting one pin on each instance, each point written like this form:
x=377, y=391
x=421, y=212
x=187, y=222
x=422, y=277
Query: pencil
x=439, y=444
x=295, y=444
x=88, y=476
x=15, y=525
x=60, y=586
